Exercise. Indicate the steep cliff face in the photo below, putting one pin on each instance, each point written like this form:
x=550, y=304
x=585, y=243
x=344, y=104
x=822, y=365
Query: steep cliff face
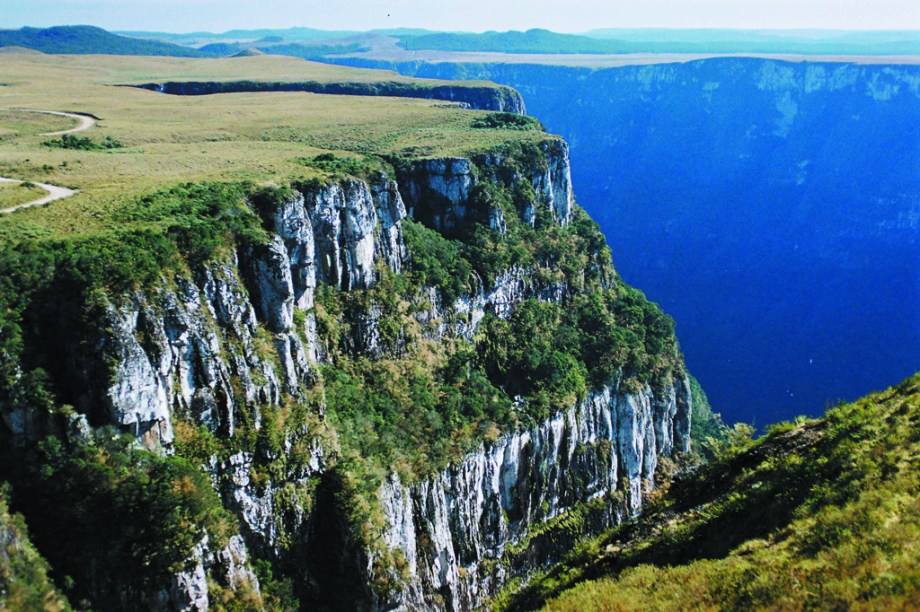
x=449, y=526
x=444, y=188
x=228, y=363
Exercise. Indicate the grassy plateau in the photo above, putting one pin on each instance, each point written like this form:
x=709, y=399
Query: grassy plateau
x=167, y=140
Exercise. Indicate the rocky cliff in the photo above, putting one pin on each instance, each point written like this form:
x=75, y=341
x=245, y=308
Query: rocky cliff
x=448, y=527
x=243, y=364
x=491, y=98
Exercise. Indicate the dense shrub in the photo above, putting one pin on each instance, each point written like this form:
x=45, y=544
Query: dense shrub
x=409, y=416
x=84, y=143
x=507, y=121
x=336, y=167
x=437, y=261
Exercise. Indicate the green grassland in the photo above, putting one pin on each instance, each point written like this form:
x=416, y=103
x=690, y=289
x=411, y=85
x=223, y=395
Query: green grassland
x=818, y=514
x=228, y=137
x=15, y=123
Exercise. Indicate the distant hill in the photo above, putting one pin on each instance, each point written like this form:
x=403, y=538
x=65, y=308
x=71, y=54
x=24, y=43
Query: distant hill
x=268, y=35
x=89, y=39
x=309, y=43
x=249, y=52
x=311, y=52
x=291, y=34
x=19, y=51
x=221, y=49
x=712, y=40
x=304, y=51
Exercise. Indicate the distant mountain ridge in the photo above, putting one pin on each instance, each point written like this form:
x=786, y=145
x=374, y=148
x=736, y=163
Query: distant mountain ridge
x=82, y=39
x=310, y=43
x=671, y=41
x=92, y=40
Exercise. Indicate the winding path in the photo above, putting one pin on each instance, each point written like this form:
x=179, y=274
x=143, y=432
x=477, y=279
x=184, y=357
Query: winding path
x=54, y=192
x=86, y=121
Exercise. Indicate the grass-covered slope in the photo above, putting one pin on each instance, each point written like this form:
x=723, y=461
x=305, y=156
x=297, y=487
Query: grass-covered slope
x=818, y=513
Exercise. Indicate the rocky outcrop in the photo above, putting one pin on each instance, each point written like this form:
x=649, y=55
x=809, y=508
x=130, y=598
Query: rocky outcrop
x=344, y=218
x=554, y=184
x=182, y=348
x=390, y=211
x=461, y=319
x=448, y=525
x=440, y=191
x=189, y=591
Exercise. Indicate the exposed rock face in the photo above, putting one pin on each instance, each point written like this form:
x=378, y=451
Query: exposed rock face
x=390, y=211
x=292, y=223
x=555, y=183
x=445, y=526
x=178, y=349
x=262, y=516
x=441, y=187
x=344, y=219
x=462, y=318
x=189, y=591
x=334, y=232
x=273, y=285
x=439, y=191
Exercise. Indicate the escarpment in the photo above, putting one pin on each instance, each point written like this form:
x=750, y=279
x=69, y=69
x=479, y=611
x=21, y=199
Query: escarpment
x=385, y=379
x=491, y=98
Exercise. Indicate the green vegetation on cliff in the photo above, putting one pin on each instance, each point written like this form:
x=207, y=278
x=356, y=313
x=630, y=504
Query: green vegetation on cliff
x=817, y=514
x=117, y=519
x=24, y=581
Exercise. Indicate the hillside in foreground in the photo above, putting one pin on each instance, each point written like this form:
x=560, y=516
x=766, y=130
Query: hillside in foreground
x=817, y=514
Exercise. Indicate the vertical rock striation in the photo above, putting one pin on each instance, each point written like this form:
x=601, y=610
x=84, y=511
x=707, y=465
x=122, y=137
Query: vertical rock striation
x=446, y=526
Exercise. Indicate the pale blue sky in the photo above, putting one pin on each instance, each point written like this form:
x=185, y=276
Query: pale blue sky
x=470, y=15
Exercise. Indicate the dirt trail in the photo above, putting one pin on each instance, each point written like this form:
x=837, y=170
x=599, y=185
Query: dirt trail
x=54, y=193
x=86, y=122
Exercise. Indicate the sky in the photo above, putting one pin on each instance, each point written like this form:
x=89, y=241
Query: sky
x=468, y=15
